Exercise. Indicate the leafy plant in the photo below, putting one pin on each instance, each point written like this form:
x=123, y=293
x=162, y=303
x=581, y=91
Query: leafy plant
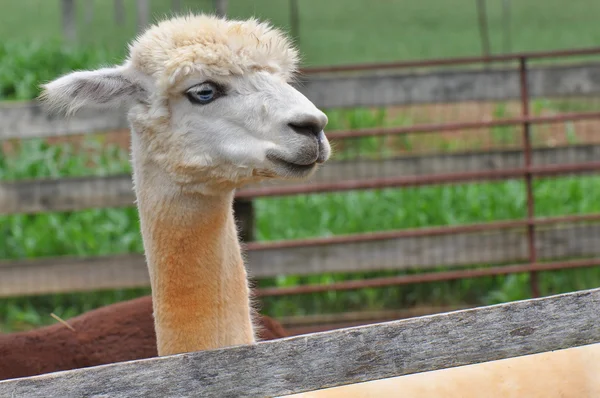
x=23, y=66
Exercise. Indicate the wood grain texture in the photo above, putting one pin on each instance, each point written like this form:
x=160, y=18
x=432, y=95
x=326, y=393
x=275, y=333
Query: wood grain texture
x=423, y=253
x=66, y=274
x=23, y=120
x=392, y=88
x=340, y=357
x=71, y=194
x=119, y=10
x=28, y=120
x=296, y=325
x=69, y=20
x=71, y=274
x=366, y=316
x=66, y=194
x=142, y=15
x=221, y=7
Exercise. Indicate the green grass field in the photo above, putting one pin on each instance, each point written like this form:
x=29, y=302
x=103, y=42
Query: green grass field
x=342, y=31
x=331, y=32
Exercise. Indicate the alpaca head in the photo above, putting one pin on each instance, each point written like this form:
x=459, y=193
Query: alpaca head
x=210, y=103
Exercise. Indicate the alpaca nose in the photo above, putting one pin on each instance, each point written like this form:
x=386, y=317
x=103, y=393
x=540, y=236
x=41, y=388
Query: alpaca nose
x=309, y=124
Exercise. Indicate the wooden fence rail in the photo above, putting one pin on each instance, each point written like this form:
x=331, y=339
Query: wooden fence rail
x=64, y=274
x=341, y=357
x=28, y=120
x=71, y=194
x=447, y=86
x=68, y=274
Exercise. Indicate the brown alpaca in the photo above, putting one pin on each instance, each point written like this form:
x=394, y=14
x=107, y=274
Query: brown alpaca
x=115, y=333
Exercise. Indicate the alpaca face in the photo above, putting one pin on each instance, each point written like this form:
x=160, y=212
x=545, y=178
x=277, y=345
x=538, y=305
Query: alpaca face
x=234, y=130
x=210, y=103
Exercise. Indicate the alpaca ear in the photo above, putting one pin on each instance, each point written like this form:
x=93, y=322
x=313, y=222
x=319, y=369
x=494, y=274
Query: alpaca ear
x=106, y=87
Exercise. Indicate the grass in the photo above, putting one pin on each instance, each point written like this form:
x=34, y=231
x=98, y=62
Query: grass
x=342, y=31
x=23, y=66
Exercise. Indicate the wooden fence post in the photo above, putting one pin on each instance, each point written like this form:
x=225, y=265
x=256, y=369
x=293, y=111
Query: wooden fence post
x=243, y=210
x=295, y=20
x=69, y=23
x=143, y=14
x=89, y=12
x=507, y=47
x=343, y=357
x=176, y=6
x=483, y=28
x=119, y=12
x=221, y=7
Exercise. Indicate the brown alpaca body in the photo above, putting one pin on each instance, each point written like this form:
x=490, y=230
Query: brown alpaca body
x=115, y=333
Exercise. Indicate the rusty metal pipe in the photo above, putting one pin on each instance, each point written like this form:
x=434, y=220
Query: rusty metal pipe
x=452, y=61
x=527, y=154
x=417, y=232
x=425, y=278
x=415, y=181
x=434, y=128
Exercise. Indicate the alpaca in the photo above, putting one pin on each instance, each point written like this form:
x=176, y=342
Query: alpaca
x=570, y=373
x=211, y=108
x=114, y=333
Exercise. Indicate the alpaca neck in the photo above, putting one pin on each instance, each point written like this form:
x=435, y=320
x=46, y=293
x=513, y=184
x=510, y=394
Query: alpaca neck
x=199, y=284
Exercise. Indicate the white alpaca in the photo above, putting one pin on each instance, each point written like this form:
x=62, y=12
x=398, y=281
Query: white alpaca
x=210, y=108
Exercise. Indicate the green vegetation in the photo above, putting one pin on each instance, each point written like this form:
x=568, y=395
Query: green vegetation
x=108, y=231
x=342, y=31
x=24, y=66
x=332, y=32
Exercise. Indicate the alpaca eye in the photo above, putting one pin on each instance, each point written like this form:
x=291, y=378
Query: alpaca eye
x=203, y=93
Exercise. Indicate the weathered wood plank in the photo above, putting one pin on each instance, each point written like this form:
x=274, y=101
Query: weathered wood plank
x=490, y=84
x=26, y=120
x=295, y=21
x=142, y=14
x=119, y=9
x=365, y=316
x=22, y=120
x=89, y=11
x=427, y=252
x=66, y=194
x=71, y=274
x=69, y=21
x=451, y=162
x=340, y=357
x=243, y=211
x=71, y=194
x=54, y=275
x=220, y=7
x=306, y=324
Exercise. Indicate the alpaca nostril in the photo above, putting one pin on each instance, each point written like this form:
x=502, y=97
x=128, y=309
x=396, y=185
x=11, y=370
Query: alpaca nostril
x=311, y=125
x=306, y=128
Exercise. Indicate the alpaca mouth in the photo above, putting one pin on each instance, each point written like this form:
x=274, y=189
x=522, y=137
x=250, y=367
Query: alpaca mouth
x=288, y=167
